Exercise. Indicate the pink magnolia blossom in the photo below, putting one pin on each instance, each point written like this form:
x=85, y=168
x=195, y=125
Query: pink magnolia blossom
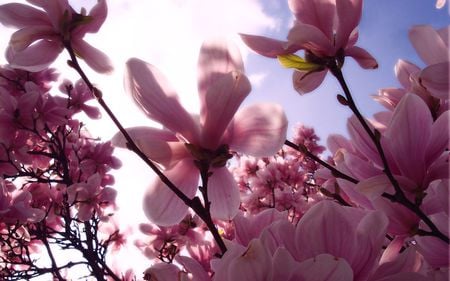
x=90, y=197
x=43, y=32
x=325, y=30
x=257, y=130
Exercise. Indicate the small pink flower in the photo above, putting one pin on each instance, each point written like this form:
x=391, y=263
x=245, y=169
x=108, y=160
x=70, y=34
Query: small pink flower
x=43, y=32
x=257, y=130
x=325, y=30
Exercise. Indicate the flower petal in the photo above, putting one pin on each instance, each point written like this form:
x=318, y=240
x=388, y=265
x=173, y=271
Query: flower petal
x=408, y=134
x=310, y=37
x=404, y=70
x=221, y=103
x=161, y=146
x=435, y=79
x=36, y=57
x=349, y=15
x=217, y=58
x=95, y=58
x=439, y=139
x=323, y=267
x=258, y=130
x=24, y=37
x=428, y=44
x=154, y=95
x=307, y=81
x=98, y=15
x=161, y=205
x=317, y=13
x=266, y=46
x=20, y=15
x=362, y=57
x=223, y=194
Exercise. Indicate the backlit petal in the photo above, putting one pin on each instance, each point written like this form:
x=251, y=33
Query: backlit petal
x=223, y=194
x=95, y=58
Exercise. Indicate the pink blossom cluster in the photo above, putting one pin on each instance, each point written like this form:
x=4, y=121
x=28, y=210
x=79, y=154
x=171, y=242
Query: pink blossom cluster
x=284, y=181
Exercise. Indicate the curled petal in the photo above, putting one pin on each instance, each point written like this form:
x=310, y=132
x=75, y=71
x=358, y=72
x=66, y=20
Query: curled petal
x=95, y=58
x=265, y=46
x=156, y=97
x=223, y=193
x=36, y=57
x=258, y=130
x=362, y=57
x=307, y=81
x=161, y=205
x=97, y=17
x=221, y=103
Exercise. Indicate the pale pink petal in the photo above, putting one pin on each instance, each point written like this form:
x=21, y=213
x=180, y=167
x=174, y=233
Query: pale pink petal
x=402, y=276
x=436, y=200
x=221, y=265
x=435, y=78
x=223, y=194
x=349, y=15
x=408, y=135
x=55, y=10
x=27, y=35
x=318, y=13
x=161, y=205
x=403, y=70
x=311, y=38
x=258, y=130
x=93, y=57
x=439, y=139
x=360, y=168
x=428, y=44
x=36, y=57
x=323, y=267
x=20, y=15
x=283, y=265
x=307, y=81
x=266, y=46
x=222, y=100
x=217, y=58
x=255, y=264
x=156, y=97
x=279, y=234
x=161, y=146
x=362, y=57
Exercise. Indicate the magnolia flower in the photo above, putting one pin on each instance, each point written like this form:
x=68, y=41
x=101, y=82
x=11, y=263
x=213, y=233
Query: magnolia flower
x=43, y=32
x=188, y=142
x=326, y=30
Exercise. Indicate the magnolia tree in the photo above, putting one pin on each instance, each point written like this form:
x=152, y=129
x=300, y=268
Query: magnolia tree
x=233, y=199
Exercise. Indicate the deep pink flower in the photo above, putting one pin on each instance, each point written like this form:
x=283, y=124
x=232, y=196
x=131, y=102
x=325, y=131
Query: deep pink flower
x=325, y=30
x=257, y=130
x=42, y=32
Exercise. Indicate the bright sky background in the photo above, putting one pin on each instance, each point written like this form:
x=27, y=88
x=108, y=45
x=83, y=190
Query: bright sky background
x=168, y=34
